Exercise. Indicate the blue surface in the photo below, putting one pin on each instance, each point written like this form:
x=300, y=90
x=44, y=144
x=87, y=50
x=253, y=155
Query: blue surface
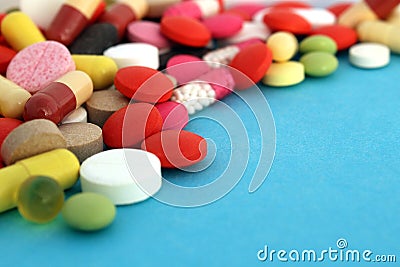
x=335, y=175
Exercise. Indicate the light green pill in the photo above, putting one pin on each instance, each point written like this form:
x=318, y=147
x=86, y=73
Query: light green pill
x=88, y=211
x=319, y=43
x=319, y=64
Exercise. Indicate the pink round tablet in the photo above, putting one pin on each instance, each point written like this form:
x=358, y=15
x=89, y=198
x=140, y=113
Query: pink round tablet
x=185, y=68
x=147, y=32
x=223, y=25
x=175, y=115
x=187, y=9
x=36, y=66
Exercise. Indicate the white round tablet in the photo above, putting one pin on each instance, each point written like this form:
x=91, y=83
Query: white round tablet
x=369, y=55
x=134, y=54
x=126, y=176
x=78, y=115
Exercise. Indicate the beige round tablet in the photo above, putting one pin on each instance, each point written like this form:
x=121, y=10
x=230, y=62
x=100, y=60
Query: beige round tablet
x=83, y=139
x=31, y=138
x=103, y=104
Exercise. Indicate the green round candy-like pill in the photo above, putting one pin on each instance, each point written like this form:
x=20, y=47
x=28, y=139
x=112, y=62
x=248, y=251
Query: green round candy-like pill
x=88, y=211
x=40, y=199
x=319, y=43
x=319, y=64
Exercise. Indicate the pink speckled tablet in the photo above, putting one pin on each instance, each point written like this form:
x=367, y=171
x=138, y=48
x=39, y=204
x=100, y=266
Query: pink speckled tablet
x=36, y=66
x=223, y=25
x=175, y=115
x=147, y=32
x=182, y=72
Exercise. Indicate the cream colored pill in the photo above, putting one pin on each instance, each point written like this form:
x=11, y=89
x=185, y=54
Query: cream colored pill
x=369, y=55
x=284, y=46
x=284, y=74
x=126, y=176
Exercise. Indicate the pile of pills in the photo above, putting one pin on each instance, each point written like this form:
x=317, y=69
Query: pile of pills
x=84, y=94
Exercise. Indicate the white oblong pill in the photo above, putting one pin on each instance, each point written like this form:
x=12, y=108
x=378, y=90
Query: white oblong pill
x=317, y=17
x=250, y=30
x=126, y=176
x=78, y=115
x=134, y=54
x=369, y=55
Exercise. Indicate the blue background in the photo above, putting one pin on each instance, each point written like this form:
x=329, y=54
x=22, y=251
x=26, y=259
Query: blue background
x=335, y=175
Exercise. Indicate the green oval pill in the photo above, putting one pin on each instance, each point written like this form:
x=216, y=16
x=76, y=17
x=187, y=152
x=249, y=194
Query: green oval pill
x=319, y=43
x=88, y=211
x=319, y=64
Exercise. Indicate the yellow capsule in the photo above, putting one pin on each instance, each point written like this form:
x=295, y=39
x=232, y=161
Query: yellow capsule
x=101, y=69
x=60, y=164
x=20, y=31
x=12, y=98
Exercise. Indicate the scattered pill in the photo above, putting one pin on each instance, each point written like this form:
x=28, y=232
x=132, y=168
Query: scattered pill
x=196, y=9
x=284, y=74
x=148, y=32
x=60, y=98
x=19, y=31
x=71, y=20
x=123, y=12
x=143, y=84
x=185, y=30
x=380, y=32
x=40, y=199
x=83, y=139
x=12, y=99
x=134, y=54
x=60, y=164
x=249, y=9
x=223, y=25
x=88, y=212
x=175, y=116
x=321, y=43
x=342, y=35
x=317, y=17
x=369, y=55
x=101, y=69
x=284, y=46
x=250, y=30
x=130, y=125
x=103, y=104
x=38, y=65
x=30, y=139
x=252, y=63
x=220, y=80
x=126, y=176
x=319, y=64
x=41, y=12
x=185, y=68
x=78, y=115
x=95, y=39
x=176, y=148
x=6, y=55
x=287, y=20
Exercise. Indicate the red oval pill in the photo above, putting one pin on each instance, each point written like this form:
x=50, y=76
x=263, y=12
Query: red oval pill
x=252, y=62
x=291, y=4
x=344, y=36
x=186, y=31
x=143, y=84
x=6, y=126
x=176, y=148
x=282, y=19
x=6, y=55
x=130, y=125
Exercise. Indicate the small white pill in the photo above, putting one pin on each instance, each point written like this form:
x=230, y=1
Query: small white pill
x=369, y=55
x=78, y=115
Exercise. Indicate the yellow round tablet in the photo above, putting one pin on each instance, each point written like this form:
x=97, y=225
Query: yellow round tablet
x=284, y=46
x=284, y=74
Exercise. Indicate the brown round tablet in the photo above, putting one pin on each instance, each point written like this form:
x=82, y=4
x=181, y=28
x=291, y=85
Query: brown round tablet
x=83, y=139
x=103, y=104
x=31, y=138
